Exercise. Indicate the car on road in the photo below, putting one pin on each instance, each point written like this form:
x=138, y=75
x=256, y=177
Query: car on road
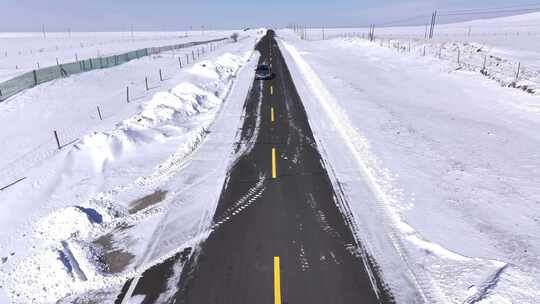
x=263, y=72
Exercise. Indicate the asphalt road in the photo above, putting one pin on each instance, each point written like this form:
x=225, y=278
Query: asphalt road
x=278, y=236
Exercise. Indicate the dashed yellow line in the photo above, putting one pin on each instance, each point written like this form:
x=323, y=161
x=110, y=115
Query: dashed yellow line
x=277, y=281
x=271, y=90
x=272, y=114
x=274, y=166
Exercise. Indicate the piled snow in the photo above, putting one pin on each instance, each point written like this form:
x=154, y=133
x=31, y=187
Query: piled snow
x=163, y=116
x=106, y=171
x=159, y=119
x=65, y=224
x=438, y=168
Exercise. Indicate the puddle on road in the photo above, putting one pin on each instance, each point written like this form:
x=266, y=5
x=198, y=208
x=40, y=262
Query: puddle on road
x=113, y=256
x=115, y=259
x=147, y=201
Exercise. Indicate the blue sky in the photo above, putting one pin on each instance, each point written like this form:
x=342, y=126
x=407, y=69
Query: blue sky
x=107, y=15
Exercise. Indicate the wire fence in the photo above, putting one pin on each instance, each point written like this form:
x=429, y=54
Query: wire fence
x=464, y=33
x=469, y=56
x=36, y=77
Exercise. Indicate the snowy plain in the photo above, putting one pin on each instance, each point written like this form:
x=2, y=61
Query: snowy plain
x=506, y=48
x=92, y=215
x=440, y=166
x=515, y=33
x=23, y=52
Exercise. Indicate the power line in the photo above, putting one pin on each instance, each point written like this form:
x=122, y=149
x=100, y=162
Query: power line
x=523, y=10
x=468, y=12
x=492, y=8
x=426, y=17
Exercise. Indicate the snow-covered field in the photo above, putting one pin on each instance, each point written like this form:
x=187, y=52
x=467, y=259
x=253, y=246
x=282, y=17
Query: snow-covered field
x=23, y=52
x=440, y=165
x=500, y=46
x=111, y=203
x=516, y=33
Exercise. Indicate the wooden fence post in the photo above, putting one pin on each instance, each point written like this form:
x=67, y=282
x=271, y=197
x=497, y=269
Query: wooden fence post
x=517, y=74
x=180, y=62
x=160, y=75
x=146, y=82
x=57, y=140
x=127, y=94
x=35, y=77
x=99, y=113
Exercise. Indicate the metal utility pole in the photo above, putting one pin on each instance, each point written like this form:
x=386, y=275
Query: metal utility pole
x=432, y=27
x=371, y=34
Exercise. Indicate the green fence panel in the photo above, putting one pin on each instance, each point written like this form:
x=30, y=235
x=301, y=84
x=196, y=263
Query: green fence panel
x=30, y=79
x=48, y=74
x=16, y=85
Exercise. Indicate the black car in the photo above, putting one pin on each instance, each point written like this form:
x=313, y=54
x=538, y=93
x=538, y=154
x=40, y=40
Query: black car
x=263, y=72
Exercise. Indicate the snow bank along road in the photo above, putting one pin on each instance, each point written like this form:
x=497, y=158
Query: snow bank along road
x=278, y=235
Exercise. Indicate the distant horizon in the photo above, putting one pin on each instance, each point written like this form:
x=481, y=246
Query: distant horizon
x=28, y=16
x=254, y=27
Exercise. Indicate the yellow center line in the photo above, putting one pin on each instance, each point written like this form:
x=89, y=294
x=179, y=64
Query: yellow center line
x=277, y=281
x=272, y=114
x=271, y=90
x=274, y=169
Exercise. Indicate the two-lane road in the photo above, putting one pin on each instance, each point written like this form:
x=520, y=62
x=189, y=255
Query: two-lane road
x=278, y=236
